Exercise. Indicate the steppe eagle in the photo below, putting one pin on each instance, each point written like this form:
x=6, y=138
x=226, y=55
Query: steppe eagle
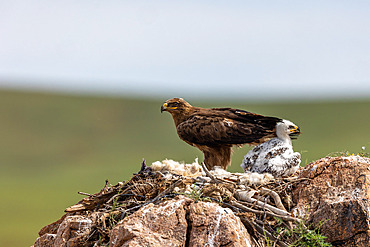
x=214, y=131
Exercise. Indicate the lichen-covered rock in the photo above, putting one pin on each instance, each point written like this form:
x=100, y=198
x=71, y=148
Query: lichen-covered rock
x=53, y=227
x=46, y=239
x=360, y=239
x=153, y=225
x=71, y=231
x=213, y=225
x=181, y=222
x=175, y=222
x=337, y=196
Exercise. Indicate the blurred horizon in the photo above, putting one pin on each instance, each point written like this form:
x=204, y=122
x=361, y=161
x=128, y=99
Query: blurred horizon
x=212, y=98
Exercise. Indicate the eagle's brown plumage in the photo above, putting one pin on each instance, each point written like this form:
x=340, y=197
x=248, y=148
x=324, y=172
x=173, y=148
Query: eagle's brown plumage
x=214, y=131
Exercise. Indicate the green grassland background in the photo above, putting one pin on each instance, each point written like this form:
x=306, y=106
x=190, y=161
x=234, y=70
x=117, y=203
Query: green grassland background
x=53, y=146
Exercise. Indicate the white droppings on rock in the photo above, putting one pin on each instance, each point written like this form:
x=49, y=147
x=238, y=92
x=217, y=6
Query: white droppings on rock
x=355, y=158
x=215, y=231
x=170, y=207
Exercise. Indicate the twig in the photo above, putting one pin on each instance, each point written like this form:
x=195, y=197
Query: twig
x=263, y=232
x=213, y=178
x=244, y=208
x=245, y=196
x=85, y=194
x=143, y=166
x=295, y=179
x=289, y=182
x=274, y=196
x=168, y=190
x=112, y=198
x=106, y=184
x=278, y=236
x=246, y=222
x=132, y=195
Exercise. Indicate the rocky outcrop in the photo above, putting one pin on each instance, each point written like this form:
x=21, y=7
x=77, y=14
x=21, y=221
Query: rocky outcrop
x=69, y=231
x=336, y=195
x=177, y=222
x=181, y=222
x=332, y=193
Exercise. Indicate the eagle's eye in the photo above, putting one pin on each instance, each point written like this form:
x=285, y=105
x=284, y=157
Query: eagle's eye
x=172, y=106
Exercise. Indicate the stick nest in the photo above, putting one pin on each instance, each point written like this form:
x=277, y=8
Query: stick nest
x=265, y=210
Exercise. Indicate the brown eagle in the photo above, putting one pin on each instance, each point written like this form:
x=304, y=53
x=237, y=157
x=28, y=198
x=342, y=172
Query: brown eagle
x=214, y=131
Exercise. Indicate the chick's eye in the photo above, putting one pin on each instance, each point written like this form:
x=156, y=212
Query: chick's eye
x=291, y=127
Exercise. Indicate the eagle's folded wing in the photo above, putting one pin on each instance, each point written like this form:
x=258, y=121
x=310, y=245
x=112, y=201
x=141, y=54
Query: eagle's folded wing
x=216, y=130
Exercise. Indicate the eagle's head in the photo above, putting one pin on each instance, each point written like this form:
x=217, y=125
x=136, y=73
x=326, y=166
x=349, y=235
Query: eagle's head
x=175, y=106
x=179, y=109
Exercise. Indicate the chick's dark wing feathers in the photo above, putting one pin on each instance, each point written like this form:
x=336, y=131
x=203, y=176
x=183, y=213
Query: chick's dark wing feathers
x=225, y=126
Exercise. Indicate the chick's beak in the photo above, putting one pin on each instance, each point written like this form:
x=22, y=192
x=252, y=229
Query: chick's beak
x=296, y=130
x=164, y=107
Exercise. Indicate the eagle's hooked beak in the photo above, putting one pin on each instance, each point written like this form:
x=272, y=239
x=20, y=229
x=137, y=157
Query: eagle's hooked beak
x=164, y=107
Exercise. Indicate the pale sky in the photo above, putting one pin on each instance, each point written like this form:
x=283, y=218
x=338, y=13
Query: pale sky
x=230, y=49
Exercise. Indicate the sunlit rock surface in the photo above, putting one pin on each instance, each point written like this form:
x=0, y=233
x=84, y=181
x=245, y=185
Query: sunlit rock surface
x=337, y=195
